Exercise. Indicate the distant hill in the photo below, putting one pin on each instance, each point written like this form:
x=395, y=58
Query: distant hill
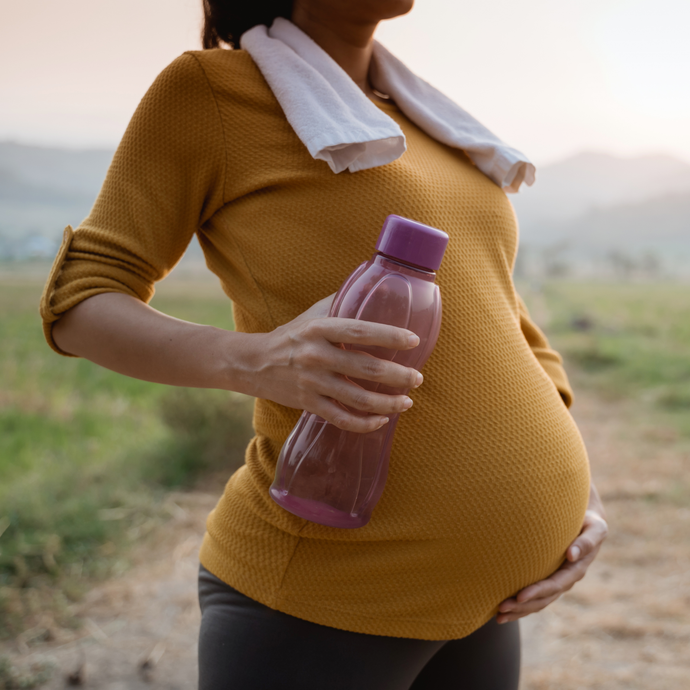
x=42, y=190
x=600, y=215
x=590, y=183
x=67, y=170
x=17, y=190
x=664, y=221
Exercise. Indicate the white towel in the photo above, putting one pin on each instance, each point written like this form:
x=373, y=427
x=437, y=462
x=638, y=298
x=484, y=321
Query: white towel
x=338, y=123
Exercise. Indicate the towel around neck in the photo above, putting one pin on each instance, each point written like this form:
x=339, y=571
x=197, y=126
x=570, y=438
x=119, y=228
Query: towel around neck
x=338, y=124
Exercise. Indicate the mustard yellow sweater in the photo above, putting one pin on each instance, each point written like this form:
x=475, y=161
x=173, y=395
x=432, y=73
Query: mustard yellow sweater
x=488, y=479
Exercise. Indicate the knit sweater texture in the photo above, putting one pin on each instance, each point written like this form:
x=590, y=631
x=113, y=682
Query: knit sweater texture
x=488, y=480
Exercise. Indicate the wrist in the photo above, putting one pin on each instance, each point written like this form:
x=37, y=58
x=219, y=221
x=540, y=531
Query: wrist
x=238, y=356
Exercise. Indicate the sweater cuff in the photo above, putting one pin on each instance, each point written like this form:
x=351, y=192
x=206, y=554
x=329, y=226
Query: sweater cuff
x=45, y=308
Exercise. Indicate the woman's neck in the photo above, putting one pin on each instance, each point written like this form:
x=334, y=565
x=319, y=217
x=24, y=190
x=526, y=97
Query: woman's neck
x=350, y=44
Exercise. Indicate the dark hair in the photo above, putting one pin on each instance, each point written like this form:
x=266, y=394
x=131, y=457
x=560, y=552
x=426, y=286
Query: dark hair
x=226, y=20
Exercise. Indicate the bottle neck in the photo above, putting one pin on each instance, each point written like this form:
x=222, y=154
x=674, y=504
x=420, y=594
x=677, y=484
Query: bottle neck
x=391, y=263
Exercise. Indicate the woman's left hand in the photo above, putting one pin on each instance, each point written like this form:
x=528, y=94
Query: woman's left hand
x=579, y=556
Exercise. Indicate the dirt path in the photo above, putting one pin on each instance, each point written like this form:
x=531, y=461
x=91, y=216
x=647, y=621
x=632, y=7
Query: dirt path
x=626, y=626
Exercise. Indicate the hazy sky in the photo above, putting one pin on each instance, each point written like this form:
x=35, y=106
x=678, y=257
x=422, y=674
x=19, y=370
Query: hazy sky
x=550, y=77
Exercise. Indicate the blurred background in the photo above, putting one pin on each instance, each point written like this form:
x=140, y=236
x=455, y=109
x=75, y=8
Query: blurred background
x=105, y=482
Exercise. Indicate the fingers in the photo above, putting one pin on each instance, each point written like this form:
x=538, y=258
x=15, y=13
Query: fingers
x=541, y=594
x=355, y=332
x=313, y=351
x=303, y=367
x=511, y=610
x=561, y=581
x=360, y=365
x=337, y=415
x=580, y=554
x=594, y=531
x=356, y=397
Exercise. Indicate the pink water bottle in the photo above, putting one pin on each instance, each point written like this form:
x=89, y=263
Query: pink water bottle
x=335, y=477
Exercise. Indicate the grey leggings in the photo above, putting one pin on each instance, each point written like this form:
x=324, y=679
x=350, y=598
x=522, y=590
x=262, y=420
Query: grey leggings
x=245, y=645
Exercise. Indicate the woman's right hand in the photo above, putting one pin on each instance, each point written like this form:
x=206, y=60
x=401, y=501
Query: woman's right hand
x=300, y=365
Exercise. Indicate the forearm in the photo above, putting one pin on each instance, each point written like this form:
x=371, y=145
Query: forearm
x=125, y=335
x=298, y=364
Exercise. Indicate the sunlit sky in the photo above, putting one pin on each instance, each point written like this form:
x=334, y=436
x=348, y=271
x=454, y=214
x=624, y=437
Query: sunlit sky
x=552, y=78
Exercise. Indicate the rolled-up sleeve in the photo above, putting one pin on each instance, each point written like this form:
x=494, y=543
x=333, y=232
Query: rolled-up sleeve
x=166, y=180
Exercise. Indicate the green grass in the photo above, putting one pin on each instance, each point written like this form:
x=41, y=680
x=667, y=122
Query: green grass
x=624, y=340
x=79, y=444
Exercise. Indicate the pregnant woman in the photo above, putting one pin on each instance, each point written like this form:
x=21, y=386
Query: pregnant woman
x=285, y=157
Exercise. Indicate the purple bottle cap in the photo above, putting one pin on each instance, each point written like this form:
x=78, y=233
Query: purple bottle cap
x=412, y=242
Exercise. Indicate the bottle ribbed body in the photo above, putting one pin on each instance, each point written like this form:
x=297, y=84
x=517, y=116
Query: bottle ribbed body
x=335, y=477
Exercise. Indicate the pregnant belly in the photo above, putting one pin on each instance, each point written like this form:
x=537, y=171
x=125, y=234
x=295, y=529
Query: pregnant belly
x=488, y=462
x=487, y=487
x=477, y=506
x=457, y=530
x=516, y=484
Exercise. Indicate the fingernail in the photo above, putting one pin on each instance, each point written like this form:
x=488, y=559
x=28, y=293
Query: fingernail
x=385, y=421
x=407, y=404
x=575, y=552
x=501, y=621
x=504, y=608
x=413, y=340
x=419, y=380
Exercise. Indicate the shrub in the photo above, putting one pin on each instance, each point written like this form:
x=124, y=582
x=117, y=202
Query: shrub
x=209, y=430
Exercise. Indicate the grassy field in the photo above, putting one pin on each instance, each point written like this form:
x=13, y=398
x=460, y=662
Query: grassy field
x=86, y=455
x=623, y=341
